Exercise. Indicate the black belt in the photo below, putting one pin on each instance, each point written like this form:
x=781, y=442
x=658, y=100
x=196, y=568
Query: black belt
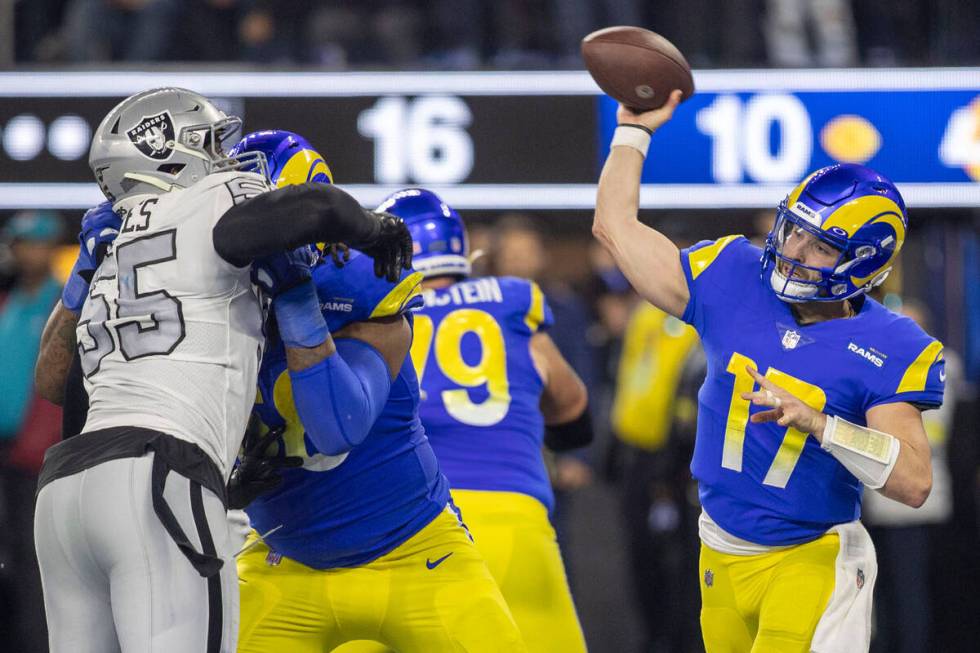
x=170, y=455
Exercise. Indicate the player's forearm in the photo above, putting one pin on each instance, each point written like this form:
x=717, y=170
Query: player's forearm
x=55, y=355
x=650, y=260
x=289, y=217
x=340, y=398
x=911, y=479
x=301, y=358
x=618, y=195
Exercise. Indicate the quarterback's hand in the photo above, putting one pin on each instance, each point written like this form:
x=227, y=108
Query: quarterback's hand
x=280, y=272
x=100, y=226
x=257, y=474
x=785, y=408
x=653, y=119
x=391, y=247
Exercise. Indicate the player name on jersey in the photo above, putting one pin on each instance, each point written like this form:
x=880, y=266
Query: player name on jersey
x=466, y=292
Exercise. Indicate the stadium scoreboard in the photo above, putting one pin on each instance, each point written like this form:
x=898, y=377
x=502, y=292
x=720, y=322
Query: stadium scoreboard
x=534, y=139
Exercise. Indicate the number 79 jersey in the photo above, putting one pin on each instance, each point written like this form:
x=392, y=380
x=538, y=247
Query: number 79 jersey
x=480, y=390
x=766, y=483
x=170, y=335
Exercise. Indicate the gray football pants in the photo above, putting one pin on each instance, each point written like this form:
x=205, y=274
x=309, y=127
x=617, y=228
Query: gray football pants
x=113, y=577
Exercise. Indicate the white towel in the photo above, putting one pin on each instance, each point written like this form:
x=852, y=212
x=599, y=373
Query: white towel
x=845, y=626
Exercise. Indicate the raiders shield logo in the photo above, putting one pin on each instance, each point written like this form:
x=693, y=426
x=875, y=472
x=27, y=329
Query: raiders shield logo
x=154, y=136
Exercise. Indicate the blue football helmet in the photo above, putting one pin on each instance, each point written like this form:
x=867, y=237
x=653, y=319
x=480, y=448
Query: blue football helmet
x=290, y=159
x=855, y=211
x=439, y=236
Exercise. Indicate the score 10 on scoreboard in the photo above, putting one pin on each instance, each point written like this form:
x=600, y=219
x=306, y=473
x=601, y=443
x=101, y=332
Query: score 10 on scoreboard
x=535, y=140
x=734, y=147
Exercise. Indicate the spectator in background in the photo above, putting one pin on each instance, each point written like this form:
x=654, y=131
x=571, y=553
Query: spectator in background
x=28, y=424
x=457, y=34
x=789, y=24
x=120, y=30
x=904, y=537
x=208, y=30
x=895, y=32
x=576, y=18
x=518, y=250
x=523, y=34
x=662, y=528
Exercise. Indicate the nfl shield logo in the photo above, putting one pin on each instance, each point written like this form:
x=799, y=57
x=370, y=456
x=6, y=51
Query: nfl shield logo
x=273, y=559
x=709, y=577
x=154, y=136
x=859, y=581
x=791, y=339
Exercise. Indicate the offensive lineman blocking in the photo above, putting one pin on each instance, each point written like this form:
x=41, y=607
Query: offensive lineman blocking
x=130, y=525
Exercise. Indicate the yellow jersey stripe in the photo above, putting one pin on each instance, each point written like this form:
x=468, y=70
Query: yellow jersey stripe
x=914, y=379
x=535, y=313
x=700, y=259
x=394, y=301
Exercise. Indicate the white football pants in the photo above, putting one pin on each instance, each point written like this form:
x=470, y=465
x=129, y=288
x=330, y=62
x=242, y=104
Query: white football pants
x=113, y=577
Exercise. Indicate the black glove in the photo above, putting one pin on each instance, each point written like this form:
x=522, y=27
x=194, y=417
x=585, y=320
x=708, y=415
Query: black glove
x=257, y=474
x=390, y=245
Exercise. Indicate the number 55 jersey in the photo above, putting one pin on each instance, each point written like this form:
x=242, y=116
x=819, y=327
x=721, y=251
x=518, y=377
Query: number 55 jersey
x=766, y=483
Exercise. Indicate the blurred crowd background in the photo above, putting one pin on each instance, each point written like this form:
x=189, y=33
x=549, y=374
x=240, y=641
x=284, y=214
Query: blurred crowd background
x=627, y=506
x=471, y=34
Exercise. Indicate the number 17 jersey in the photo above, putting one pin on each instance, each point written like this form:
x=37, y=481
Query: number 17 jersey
x=480, y=389
x=766, y=483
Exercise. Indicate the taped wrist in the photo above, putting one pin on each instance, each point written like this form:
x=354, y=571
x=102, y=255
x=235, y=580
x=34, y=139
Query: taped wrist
x=298, y=315
x=570, y=435
x=868, y=454
x=340, y=398
x=635, y=136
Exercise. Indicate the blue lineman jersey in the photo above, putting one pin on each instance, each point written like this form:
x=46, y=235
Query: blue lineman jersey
x=389, y=487
x=763, y=482
x=480, y=389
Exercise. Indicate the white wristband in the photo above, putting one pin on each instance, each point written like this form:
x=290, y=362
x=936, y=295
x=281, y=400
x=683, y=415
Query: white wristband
x=868, y=454
x=635, y=136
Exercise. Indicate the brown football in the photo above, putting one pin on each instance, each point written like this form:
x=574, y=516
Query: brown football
x=636, y=67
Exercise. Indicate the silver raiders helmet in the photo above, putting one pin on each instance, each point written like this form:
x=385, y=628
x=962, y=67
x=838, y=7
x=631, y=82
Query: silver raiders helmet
x=162, y=139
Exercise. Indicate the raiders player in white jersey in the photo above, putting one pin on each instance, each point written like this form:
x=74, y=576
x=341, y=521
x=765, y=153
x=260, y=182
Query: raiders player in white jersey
x=130, y=525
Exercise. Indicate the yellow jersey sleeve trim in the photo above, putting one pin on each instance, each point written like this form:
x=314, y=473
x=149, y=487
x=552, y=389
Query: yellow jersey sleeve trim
x=914, y=379
x=700, y=259
x=394, y=301
x=535, y=313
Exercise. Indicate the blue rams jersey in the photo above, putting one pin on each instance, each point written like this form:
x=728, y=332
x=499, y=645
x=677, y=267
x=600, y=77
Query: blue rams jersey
x=763, y=482
x=387, y=488
x=480, y=389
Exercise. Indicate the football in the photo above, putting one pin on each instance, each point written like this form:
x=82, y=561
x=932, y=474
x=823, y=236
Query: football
x=636, y=67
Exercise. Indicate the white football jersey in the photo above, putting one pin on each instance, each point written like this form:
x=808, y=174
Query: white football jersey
x=170, y=336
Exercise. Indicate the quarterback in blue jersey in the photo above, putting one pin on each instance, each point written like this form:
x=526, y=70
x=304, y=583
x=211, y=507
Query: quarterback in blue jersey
x=359, y=539
x=491, y=380
x=813, y=392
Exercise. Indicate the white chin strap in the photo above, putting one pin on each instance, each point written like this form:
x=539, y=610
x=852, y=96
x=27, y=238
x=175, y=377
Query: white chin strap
x=441, y=265
x=793, y=289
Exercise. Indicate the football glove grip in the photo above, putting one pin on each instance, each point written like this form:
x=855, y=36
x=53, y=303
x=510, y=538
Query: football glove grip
x=868, y=454
x=100, y=226
x=257, y=473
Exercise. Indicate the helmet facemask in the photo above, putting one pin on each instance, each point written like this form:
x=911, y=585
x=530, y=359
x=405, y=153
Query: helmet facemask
x=793, y=281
